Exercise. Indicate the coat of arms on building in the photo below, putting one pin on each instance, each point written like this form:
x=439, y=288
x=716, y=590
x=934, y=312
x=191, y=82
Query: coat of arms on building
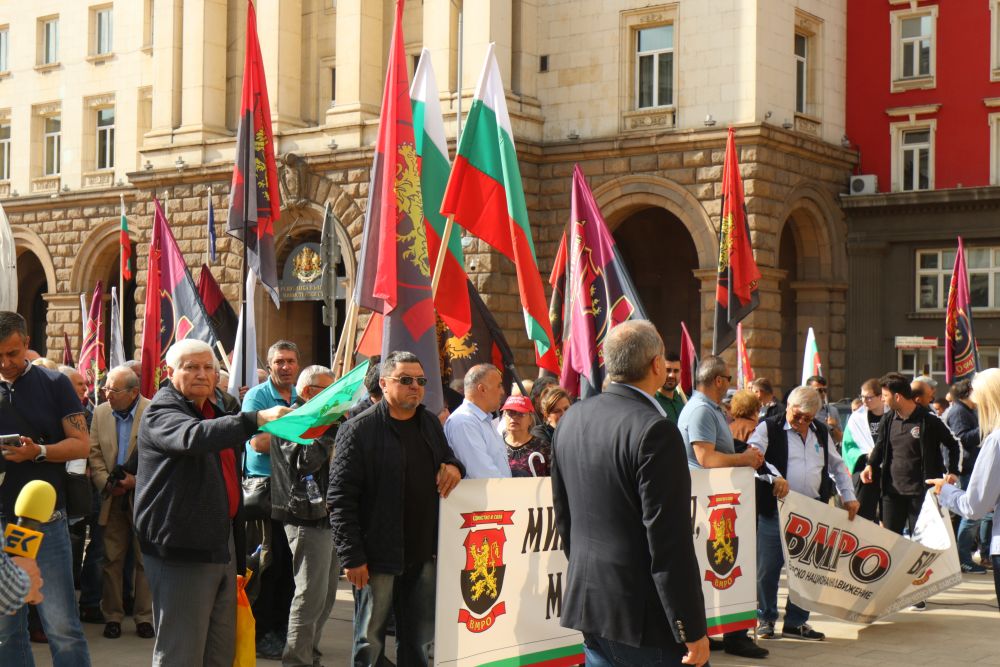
x=308, y=265
x=482, y=578
x=723, y=545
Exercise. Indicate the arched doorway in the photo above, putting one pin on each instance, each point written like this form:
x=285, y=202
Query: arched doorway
x=790, y=353
x=31, y=288
x=661, y=258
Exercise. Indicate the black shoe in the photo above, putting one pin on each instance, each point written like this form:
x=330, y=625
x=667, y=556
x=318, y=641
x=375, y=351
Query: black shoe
x=112, y=630
x=716, y=644
x=270, y=647
x=745, y=648
x=804, y=631
x=91, y=615
x=145, y=630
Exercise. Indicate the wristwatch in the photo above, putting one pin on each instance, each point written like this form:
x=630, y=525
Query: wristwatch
x=41, y=454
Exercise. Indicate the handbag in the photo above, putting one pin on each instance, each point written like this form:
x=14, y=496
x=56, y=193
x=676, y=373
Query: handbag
x=256, y=496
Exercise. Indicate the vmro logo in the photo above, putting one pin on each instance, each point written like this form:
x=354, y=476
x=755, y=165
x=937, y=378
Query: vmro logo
x=823, y=547
x=723, y=544
x=482, y=578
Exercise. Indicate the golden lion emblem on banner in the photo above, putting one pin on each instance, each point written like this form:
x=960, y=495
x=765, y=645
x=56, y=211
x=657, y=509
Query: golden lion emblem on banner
x=410, y=205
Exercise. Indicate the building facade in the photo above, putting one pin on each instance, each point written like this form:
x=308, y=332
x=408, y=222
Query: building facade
x=923, y=112
x=639, y=94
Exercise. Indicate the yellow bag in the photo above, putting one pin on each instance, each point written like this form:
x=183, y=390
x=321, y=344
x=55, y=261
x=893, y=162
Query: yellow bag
x=246, y=627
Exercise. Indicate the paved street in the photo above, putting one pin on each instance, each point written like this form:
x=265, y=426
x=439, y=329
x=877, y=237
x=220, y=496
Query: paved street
x=959, y=623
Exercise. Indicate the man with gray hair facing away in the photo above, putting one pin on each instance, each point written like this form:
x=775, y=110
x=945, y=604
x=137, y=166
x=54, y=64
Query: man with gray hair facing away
x=300, y=475
x=622, y=503
x=709, y=444
x=470, y=430
x=187, y=497
x=800, y=448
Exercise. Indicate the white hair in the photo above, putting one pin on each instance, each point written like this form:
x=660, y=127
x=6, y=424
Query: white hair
x=186, y=348
x=806, y=398
x=310, y=373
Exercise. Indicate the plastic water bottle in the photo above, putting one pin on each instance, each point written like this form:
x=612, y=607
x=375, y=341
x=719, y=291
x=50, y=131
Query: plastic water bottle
x=312, y=491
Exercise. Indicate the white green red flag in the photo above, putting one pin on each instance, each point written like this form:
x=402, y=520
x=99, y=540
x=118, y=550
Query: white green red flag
x=744, y=371
x=126, y=244
x=452, y=298
x=310, y=421
x=486, y=197
x=810, y=358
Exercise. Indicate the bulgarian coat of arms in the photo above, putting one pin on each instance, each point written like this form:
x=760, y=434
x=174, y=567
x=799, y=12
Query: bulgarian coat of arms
x=723, y=544
x=482, y=578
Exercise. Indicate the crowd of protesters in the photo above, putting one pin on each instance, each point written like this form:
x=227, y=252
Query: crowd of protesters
x=184, y=491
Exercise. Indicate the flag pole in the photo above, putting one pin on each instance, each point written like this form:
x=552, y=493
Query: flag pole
x=121, y=274
x=225, y=358
x=344, y=346
x=442, y=251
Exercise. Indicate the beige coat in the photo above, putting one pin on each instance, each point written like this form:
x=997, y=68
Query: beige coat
x=104, y=448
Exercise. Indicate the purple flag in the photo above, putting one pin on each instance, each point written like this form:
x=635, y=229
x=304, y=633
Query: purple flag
x=599, y=292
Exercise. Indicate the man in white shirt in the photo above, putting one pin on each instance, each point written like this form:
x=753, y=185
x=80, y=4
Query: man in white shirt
x=801, y=449
x=470, y=430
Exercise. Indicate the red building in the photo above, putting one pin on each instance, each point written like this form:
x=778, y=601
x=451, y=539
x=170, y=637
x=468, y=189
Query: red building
x=923, y=112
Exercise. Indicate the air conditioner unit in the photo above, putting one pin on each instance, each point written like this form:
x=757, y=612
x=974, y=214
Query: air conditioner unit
x=865, y=184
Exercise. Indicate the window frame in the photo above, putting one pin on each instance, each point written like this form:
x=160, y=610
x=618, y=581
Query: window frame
x=900, y=82
x=943, y=275
x=48, y=46
x=5, y=144
x=897, y=131
x=56, y=141
x=98, y=13
x=109, y=148
x=802, y=64
x=655, y=54
x=4, y=48
x=915, y=149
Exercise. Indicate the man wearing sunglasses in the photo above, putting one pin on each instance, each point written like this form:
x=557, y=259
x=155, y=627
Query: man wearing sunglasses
x=800, y=448
x=392, y=463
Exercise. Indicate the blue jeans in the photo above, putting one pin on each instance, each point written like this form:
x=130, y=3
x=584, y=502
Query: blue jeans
x=968, y=531
x=410, y=596
x=601, y=652
x=770, y=560
x=60, y=618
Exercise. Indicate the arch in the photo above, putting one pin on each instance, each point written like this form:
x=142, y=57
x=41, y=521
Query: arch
x=819, y=239
x=27, y=240
x=92, y=262
x=621, y=197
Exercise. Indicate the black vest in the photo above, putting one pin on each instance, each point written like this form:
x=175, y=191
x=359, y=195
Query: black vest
x=777, y=455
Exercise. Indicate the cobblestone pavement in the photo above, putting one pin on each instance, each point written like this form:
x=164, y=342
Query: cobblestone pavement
x=959, y=624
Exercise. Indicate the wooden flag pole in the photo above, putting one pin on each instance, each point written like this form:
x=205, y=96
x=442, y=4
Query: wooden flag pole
x=442, y=251
x=352, y=341
x=344, y=345
x=225, y=358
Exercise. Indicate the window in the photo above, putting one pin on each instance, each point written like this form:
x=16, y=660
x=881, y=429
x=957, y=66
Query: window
x=147, y=24
x=52, y=141
x=801, y=71
x=915, y=41
x=916, y=159
x=50, y=41
x=106, y=139
x=934, y=268
x=4, y=42
x=654, y=67
x=103, y=31
x=5, y=152
x=914, y=48
x=333, y=86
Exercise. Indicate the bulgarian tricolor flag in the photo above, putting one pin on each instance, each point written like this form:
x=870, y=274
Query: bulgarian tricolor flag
x=312, y=420
x=126, y=245
x=744, y=371
x=452, y=298
x=810, y=358
x=486, y=197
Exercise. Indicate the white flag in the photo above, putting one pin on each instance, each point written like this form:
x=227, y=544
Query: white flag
x=117, y=352
x=245, y=358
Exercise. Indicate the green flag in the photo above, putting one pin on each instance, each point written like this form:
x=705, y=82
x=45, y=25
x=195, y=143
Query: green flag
x=313, y=419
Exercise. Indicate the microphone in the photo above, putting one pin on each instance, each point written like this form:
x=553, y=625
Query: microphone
x=34, y=506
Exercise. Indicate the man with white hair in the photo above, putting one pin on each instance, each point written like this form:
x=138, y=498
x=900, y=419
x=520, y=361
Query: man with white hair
x=315, y=568
x=802, y=451
x=187, y=498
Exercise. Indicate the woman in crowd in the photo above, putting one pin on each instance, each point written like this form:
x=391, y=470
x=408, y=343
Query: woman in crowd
x=529, y=456
x=983, y=493
x=552, y=405
x=744, y=408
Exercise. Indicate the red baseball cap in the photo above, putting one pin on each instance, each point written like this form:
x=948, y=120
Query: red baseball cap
x=519, y=404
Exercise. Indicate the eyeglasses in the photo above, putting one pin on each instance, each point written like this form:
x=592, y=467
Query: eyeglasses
x=729, y=378
x=820, y=390
x=514, y=414
x=406, y=380
x=112, y=390
x=801, y=417
x=868, y=398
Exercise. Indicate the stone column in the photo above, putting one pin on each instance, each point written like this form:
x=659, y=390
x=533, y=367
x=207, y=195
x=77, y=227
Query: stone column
x=441, y=39
x=167, y=40
x=486, y=21
x=817, y=303
x=866, y=338
x=279, y=26
x=203, y=104
x=360, y=62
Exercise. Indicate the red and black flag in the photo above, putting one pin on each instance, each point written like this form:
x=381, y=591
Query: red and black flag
x=557, y=280
x=484, y=344
x=220, y=312
x=736, y=293
x=961, y=359
x=93, y=361
x=173, y=310
x=254, y=205
x=689, y=362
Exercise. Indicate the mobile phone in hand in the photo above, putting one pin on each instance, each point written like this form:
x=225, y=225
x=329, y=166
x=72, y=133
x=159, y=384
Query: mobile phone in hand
x=10, y=440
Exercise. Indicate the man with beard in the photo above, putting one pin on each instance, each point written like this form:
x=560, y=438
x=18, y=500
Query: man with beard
x=668, y=395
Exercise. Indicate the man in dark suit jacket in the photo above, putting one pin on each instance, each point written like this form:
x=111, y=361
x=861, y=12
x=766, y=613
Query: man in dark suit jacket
x=622, y=493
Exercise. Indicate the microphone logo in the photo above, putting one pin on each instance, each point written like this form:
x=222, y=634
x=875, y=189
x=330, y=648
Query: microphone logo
x=21, y=541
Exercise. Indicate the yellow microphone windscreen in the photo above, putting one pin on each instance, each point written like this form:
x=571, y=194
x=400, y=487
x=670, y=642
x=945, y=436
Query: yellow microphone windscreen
x=36, y=501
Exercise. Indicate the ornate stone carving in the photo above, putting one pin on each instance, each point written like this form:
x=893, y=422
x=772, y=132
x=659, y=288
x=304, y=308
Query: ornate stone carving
x=648, y=119
x=99, y=101
x=293, y=175
x=45, y=184
x=47, y=108
x=98, y=179
x=807, y=126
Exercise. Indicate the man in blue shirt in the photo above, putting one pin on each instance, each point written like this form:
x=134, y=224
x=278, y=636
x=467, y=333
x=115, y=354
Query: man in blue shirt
x=277, y=585
x=470, y=430
x=709, y=444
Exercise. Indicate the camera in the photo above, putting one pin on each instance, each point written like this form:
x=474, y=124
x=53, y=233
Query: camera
x=114, y=479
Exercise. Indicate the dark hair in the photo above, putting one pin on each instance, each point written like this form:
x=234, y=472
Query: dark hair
x=541, y=385
x=816, y=378
x=552, y=395
x=672, y=356
x=764, y=385
x=871, y=385
x=961, y=390
x=897, y=384
x=282, y=346
x=396, y=358
x=942, y=403
x=372, y=376
x=12, y=323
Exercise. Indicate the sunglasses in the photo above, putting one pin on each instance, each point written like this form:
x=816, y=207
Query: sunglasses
x=406, y=380
x=801, y=417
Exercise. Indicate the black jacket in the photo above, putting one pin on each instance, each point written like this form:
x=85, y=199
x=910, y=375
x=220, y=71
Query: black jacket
x=290, y=462
x=181, y=507
x=622, y=495
x=964, y=424
x=366, y=493
x=933, y=436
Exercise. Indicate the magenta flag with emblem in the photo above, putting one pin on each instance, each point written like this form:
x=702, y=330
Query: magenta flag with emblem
x=599, y=292
x=93, y=361
x=961, y=357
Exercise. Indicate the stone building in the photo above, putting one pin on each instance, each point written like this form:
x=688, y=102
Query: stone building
x=639, y=94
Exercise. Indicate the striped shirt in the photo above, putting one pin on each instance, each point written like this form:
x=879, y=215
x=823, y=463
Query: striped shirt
x=14, y=585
